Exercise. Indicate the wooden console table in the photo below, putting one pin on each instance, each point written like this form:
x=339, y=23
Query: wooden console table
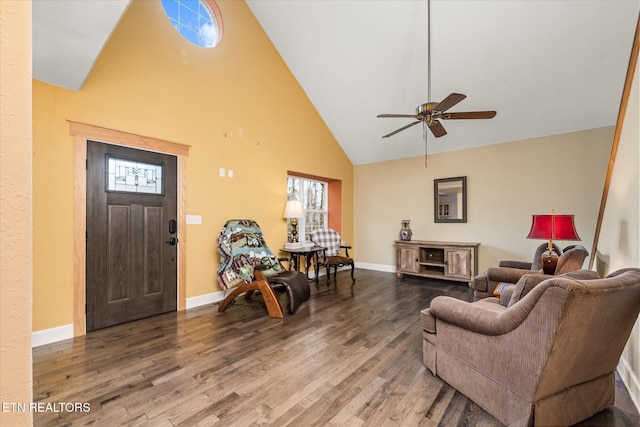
x=438, y=260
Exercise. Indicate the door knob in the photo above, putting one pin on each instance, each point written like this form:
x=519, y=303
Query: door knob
x=172, y=241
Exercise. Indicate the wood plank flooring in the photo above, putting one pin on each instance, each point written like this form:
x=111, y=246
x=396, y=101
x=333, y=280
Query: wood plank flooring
x=348, y=357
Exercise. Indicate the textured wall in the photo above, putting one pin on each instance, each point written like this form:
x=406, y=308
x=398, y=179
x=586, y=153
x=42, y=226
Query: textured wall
x=15, y=209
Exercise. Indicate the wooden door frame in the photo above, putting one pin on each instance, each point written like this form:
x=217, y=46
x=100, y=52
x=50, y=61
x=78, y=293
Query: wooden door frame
x=82, y=133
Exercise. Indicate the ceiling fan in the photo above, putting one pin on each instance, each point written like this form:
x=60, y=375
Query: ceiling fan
x=431, y=112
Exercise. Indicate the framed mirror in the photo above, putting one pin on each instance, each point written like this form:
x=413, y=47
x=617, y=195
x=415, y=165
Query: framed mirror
x=450, y=199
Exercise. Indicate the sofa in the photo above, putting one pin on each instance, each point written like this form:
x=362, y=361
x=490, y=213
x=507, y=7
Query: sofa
x=546, y=359
x=483, y=285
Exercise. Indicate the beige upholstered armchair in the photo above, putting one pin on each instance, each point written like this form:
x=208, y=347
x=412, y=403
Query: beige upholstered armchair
x=510, y=271
x=547, y=359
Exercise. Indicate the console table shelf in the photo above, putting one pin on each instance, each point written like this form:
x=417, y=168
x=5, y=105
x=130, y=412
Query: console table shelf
x=439, y=260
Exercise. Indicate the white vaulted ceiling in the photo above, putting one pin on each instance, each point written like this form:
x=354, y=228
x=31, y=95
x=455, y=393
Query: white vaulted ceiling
x=547, y=67
x=68, y=36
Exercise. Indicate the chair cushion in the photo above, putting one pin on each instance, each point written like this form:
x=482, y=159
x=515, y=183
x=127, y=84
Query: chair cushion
x=337, y=260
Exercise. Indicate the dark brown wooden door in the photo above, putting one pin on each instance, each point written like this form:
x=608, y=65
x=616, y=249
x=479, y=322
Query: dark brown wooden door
x=131, y=234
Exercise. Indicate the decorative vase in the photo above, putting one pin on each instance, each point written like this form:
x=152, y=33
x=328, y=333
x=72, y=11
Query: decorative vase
x=405, y=233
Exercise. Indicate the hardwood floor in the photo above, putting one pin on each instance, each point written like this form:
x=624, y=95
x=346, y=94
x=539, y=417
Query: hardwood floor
x=344, y=359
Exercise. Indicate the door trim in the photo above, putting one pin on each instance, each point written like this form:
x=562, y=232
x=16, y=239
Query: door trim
x=81, y=133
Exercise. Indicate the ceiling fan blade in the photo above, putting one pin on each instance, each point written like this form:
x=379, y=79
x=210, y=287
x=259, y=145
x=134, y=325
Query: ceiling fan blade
x=449, y=102
x=402, y=128
x=409, y=116
x=437, y=129
x=469, y=115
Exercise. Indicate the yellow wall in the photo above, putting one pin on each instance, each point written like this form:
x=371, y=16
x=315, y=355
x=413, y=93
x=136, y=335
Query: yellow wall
x=506, y=184
x=15, y=209
x=236, y=105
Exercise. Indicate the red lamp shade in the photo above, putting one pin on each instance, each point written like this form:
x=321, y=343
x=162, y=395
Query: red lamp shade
x=553, y=227
x=550, y=227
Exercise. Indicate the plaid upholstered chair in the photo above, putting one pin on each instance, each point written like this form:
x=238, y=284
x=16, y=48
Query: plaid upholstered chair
x=331, y=255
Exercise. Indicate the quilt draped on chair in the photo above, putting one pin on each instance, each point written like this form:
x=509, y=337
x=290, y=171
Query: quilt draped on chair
x=242, y=247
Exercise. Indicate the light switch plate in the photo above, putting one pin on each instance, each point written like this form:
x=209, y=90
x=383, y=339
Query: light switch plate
x=194, y=219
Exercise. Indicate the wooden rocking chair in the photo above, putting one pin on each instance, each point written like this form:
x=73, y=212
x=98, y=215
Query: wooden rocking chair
x=247, y=265
x=259, y=283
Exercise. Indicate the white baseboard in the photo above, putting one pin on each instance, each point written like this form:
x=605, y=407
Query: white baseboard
x=205, y=299
x=59, y=333
x=51, y=335
x=630, y=380
x=376, y=267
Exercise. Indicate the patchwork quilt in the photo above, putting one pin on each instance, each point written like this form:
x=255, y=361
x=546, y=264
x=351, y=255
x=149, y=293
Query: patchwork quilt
x=242, y=247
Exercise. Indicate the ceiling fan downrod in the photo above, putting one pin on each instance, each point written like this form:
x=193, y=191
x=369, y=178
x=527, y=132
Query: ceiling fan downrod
x=430, y=113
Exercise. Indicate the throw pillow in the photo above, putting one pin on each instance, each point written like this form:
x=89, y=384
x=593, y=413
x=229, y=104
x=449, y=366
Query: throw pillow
x=505, y=295
x=524, y=285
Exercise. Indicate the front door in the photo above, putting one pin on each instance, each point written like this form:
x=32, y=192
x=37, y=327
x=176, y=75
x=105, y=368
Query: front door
x=131, y=234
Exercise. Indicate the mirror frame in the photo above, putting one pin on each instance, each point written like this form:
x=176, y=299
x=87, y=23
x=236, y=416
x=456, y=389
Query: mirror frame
x=436, y=186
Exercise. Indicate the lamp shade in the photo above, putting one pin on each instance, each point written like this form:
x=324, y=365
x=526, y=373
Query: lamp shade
x=293, y=209
x=553, y=227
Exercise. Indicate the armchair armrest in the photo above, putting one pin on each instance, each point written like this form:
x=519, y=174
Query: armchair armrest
x=346, y=249
x=475, y=318
x=321, y=250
